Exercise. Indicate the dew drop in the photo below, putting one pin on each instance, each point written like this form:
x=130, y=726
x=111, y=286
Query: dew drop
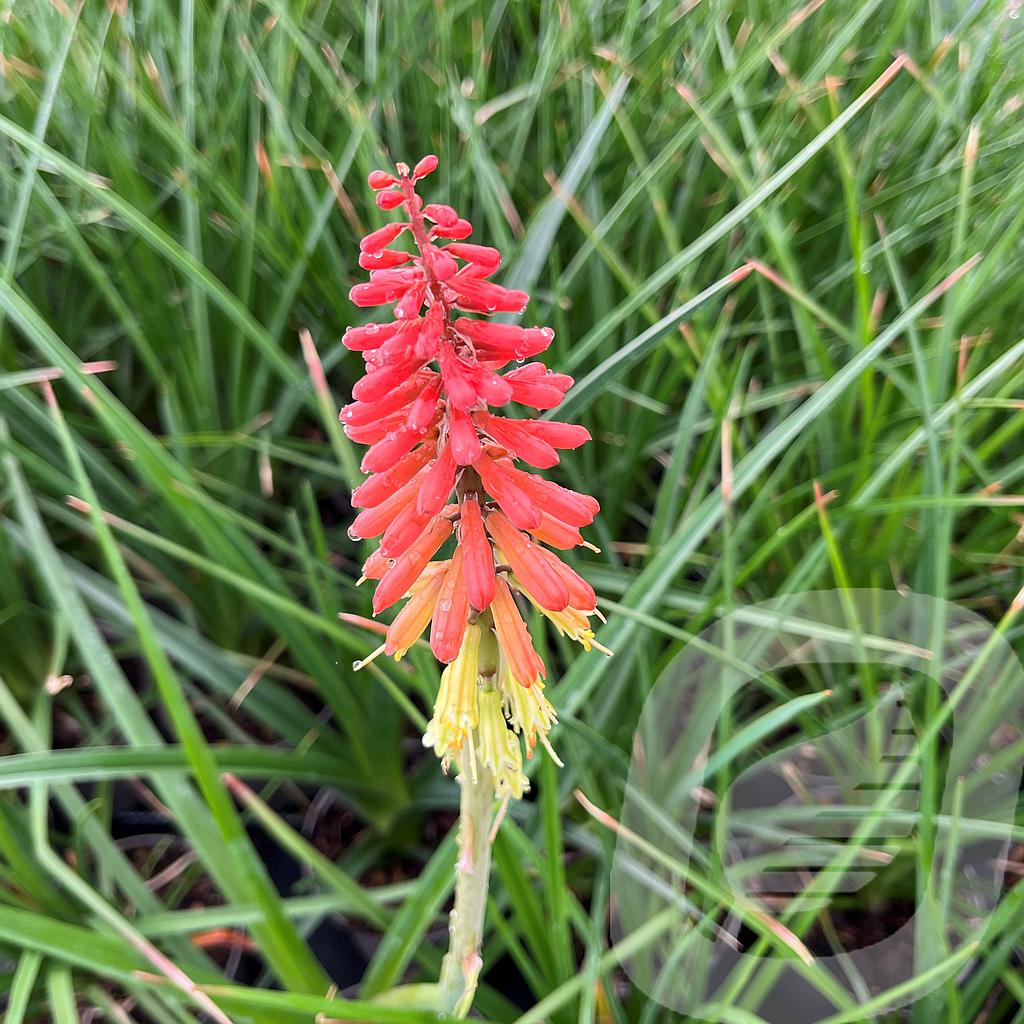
x=352, y=535
x=390, y=562
x=445, y=605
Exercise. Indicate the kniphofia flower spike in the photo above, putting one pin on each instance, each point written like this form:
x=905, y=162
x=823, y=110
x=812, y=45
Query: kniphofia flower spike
x=444, y=466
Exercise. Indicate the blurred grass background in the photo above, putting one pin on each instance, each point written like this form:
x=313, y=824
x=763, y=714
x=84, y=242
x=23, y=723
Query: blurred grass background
x=182, y=187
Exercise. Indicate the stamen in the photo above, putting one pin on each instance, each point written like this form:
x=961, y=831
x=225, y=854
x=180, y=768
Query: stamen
x=551, y=752
x=363, y=662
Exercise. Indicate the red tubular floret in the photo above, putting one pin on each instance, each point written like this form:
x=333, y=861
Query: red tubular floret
x=371, y=433
x=478, y=559
x=504, y=341
x=437, y=483
x=381, y=179
x=410, y=564
x=451, y=613
x=463, y=437
x=372, y=522
x=517, y=438
x=424, y=167
x=377, y=488
x=482, y=256
x=569, y=506
x=535, y=385
x=556, y=533
x=377, y=240
x=514, y=638
x=516, y=503
x=527, y=561
x=385, y=259
x=369, y=336
x=386, y=452
x=484, y=296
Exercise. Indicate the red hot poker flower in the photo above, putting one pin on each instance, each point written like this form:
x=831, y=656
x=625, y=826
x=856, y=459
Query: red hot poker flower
x=423, y=407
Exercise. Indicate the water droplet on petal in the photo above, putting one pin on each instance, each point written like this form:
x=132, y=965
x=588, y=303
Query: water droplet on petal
x=352, y=535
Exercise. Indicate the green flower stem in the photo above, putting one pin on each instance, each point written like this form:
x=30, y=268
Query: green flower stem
x=462, y=963
x=461, y=967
